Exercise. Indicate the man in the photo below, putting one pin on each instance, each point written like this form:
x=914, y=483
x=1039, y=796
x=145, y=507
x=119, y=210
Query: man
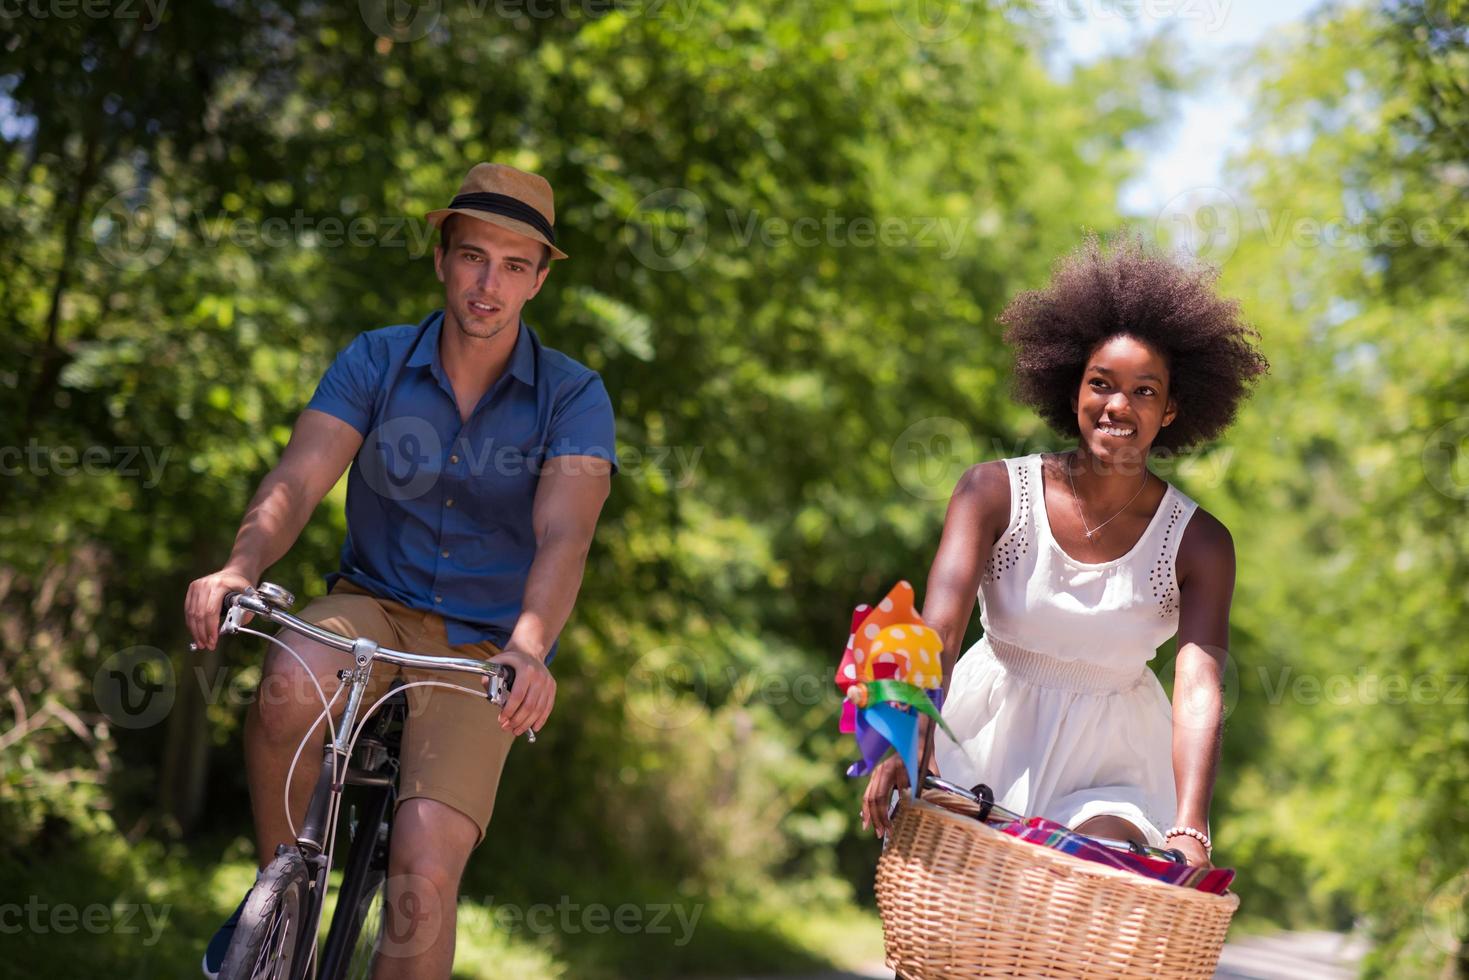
x=482, y=462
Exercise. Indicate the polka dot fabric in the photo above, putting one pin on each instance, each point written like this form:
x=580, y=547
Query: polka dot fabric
x=1162, y=578
x=1014, y=545
x=892, y=641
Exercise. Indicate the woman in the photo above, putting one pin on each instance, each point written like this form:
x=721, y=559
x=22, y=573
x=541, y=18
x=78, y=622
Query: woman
x=1086, y=562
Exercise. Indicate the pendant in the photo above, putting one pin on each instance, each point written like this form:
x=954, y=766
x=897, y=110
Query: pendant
x=1089, y=535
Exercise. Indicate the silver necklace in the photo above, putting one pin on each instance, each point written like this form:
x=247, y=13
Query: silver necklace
x=1091, y=531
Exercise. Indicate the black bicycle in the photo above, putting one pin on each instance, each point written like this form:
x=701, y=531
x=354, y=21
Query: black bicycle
x=276, y=938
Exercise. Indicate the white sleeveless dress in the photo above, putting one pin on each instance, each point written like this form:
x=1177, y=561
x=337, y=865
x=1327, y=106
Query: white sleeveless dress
x=1055, y=707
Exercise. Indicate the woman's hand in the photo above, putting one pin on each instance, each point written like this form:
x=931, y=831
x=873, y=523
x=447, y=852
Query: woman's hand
x=887, y=775
x=1193, y=851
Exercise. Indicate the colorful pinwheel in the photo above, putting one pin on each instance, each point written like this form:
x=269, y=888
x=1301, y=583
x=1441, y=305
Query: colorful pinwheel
x=891, y=672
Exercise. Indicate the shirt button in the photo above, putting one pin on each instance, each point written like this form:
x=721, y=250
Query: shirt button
x=453, y=459
x=438, y=598
x=443, y=554
x=449, y=502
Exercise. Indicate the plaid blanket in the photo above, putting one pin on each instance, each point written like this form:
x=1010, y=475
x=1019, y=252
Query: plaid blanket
x=1048, y=833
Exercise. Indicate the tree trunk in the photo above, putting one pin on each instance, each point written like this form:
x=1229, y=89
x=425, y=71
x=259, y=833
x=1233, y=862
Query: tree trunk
x=199, y=678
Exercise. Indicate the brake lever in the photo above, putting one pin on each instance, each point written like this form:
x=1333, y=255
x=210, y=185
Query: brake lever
x=233, y=616
x=498, y=692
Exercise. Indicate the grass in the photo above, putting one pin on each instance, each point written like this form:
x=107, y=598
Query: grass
x=90, y=903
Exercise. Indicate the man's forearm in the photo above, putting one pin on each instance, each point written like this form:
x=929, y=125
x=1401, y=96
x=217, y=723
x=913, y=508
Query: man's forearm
x=271, y=525
x=550, y=592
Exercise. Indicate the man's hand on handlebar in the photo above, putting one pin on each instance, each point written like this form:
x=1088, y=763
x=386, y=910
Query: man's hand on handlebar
x=205, y=600
x=531, y=697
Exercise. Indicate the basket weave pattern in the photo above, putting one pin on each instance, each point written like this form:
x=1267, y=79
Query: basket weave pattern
x=961, y=899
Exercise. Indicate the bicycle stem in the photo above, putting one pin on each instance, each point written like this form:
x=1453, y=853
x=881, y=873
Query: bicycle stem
x=337, y=756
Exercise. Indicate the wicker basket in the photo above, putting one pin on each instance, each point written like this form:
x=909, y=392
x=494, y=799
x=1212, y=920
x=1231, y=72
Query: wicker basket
x=961, y=899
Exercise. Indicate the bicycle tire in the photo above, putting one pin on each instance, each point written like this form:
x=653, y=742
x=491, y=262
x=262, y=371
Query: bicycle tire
x=266, y=940
x=367, y=925
x=354, y=936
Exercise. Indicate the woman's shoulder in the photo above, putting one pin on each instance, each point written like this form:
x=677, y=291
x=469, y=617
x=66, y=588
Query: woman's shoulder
x=985, y=488
x=1206, y=543
x=987, y=479
x=990, y=480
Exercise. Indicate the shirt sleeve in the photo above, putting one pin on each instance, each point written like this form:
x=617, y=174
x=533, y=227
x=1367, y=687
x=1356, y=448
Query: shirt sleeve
x=348, y=390
x=583, y=424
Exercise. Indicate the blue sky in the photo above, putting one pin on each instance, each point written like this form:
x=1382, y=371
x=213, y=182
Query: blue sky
x=1191, y=150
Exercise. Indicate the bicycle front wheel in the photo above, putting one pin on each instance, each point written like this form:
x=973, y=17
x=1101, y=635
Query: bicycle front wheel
x=265, y=941
x=356, y=930
x=367, y=925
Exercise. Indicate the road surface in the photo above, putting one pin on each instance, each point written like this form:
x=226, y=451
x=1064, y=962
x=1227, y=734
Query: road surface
x=1285, y=956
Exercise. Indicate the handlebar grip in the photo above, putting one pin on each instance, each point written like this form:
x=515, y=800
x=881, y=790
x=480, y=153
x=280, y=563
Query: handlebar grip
x=224, y=608
x=506, y=683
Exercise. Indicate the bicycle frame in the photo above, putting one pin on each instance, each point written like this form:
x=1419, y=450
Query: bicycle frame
x=268, y=602
x=364, y=653
x=380, y=784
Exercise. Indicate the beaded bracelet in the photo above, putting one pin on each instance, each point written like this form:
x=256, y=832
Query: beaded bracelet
x=1197, y=835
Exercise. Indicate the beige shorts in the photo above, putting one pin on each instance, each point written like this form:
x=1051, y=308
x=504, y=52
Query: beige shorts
x=453, y=747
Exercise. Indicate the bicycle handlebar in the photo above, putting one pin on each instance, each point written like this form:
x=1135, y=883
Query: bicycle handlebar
x=254, y=603
x=270, y=602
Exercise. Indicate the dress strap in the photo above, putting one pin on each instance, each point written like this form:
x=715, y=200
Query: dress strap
x=1018, y=540
x=1162, y=576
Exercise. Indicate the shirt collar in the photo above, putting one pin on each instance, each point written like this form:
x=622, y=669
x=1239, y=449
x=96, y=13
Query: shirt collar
x=522, y=359
x=426, y=351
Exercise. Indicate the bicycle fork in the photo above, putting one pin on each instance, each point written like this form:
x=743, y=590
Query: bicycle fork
x=311, y=840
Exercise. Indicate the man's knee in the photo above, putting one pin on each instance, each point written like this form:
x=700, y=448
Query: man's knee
x=431, y=870
x=431, y=844
x=288, y=701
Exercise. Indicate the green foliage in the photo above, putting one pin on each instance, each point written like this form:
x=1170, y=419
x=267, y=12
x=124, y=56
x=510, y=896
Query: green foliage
x=195, y=217
x=1348, y=493
x=857, y=199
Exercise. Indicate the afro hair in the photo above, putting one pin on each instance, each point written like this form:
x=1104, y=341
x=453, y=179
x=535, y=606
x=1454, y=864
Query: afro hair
x=1098, y=293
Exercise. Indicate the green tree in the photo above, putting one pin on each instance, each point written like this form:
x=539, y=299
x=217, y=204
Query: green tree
x=790, y=228
x=1348, y=489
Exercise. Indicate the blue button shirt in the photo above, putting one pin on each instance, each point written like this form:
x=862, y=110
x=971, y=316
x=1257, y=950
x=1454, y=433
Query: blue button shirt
x=439, y=510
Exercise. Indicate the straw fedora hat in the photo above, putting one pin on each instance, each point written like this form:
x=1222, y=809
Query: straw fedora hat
x=514, y=199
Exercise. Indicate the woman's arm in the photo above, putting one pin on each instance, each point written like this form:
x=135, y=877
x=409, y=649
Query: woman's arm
x=1205, y=568
x=978, y=511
